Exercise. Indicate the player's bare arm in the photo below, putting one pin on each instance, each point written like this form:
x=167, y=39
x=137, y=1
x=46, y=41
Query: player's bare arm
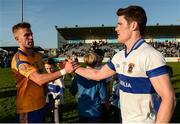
x=165, y=90
x=41, y=79
x=95, y=74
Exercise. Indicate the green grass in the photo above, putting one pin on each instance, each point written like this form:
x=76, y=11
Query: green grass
x=8, y=92
x=176, y=85
x=7, y=96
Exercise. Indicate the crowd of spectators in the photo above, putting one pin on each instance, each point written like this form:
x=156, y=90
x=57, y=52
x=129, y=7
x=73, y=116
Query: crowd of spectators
x=80, y=49
x=5, y=58
x=167, y=48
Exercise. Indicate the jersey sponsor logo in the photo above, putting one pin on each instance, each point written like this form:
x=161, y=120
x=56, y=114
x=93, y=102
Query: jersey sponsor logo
x=125, y=84
x=130, y=67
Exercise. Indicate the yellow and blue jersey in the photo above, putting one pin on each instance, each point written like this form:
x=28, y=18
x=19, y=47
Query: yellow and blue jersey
x=30, y=96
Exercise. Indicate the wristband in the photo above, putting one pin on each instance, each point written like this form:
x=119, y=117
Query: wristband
x=63, y=72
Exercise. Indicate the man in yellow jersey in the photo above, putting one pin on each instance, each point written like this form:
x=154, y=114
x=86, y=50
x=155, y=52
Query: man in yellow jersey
x=27, y=66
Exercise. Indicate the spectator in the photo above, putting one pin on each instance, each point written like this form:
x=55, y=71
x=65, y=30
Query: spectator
x=105, y=105
x=114, y=101
x=90, y=94
x=55, y=95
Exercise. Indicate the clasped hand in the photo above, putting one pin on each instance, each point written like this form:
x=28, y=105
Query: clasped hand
x=71, y=66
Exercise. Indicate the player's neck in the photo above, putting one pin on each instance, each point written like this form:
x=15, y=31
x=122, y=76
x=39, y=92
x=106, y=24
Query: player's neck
x=130, y=43
x=27, y=51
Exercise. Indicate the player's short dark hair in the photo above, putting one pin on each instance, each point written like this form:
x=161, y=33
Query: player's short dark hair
x=134, y=13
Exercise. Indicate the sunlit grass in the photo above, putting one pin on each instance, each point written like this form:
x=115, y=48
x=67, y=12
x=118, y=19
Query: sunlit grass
x=8, y=92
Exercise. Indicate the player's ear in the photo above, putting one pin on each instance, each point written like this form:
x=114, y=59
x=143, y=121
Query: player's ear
x=17, y=39
x=134, y=25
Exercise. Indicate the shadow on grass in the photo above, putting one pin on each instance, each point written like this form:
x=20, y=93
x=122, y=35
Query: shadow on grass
x=176, y=75
x=176, y=115
x=4, y=88
x=175, y=81
x=9, y=119
x=69, y=115
x=8, y=93
x=72, y=119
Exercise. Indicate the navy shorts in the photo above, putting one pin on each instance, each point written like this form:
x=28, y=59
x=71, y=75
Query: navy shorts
x=37, y=116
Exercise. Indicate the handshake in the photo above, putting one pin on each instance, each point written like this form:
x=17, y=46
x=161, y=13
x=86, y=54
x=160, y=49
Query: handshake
x=68, y=66
x=65, y=65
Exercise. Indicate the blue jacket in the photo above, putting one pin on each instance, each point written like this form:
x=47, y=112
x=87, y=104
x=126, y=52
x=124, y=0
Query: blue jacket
x=90, y=95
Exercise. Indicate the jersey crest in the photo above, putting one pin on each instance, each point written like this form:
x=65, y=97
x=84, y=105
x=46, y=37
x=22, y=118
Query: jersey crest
x=130, y=67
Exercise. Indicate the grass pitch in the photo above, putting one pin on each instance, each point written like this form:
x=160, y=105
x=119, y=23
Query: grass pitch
x=8, y=92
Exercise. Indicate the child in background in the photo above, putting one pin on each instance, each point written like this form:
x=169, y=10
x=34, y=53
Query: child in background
x=55, y=93
x=91, y=94
x=115, y=102
x=105, y=105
